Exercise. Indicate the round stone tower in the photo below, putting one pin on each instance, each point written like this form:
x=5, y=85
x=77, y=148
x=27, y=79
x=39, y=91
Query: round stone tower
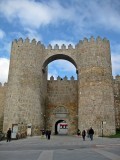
x=95, y=85
x=24, y=99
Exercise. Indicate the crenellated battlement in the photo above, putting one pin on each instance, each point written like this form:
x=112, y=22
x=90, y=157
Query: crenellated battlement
x=62, y=79
x=62, y=47
x=92, y=40
x=26, y=42
x=85, y=41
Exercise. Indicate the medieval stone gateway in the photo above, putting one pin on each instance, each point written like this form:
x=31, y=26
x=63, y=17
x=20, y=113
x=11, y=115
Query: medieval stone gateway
x=29, y=100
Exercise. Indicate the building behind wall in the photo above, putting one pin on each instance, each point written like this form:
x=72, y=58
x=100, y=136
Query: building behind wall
x=29, y=98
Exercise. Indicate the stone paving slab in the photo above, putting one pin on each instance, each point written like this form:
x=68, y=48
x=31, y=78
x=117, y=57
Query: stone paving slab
x=60, y=148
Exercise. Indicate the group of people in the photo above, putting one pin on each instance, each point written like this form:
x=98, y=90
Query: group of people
x=47, y=133
x=90, y=133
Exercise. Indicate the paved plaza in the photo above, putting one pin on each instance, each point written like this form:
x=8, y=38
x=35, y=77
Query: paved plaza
x=61, y=148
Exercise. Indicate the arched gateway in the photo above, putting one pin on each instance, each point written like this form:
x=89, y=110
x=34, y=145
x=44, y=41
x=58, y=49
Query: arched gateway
x=32, y=99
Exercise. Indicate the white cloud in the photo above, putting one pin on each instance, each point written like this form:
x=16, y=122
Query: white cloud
x=106, y=14
x=32, y=34
x=2, y=34
x=34, y=14
x=83, y=14
x=4, y=68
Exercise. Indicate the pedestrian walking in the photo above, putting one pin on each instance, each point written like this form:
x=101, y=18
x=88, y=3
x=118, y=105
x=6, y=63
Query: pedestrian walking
x=9, y=135
x=83, y=134
x=49, y=134
x=91, y=133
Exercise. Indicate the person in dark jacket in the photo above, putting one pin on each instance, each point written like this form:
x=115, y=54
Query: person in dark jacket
x=83, y=134
x=9, y=135
x=49, y=133
x=91, y=132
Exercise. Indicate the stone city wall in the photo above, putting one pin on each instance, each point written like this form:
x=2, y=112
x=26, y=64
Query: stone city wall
x=116, y=83
x=62, y=92
x=3, y=89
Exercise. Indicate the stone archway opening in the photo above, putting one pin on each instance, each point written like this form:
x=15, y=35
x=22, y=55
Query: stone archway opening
x=62, y=69
x=61, y=127
x=61, y=91
x=59, y=57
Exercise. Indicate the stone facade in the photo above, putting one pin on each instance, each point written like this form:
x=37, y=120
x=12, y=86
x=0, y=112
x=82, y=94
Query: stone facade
x=2, y=103
x=62, y=93
x=87, y=101
x=116, y=83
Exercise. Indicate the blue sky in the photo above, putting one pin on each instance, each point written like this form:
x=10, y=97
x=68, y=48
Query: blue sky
x=59, y=21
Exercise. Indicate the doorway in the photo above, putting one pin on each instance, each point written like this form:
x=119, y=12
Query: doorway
x=61, y=127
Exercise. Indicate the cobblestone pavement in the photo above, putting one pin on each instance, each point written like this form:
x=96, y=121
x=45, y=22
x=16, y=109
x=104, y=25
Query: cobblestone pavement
x=60, y=148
